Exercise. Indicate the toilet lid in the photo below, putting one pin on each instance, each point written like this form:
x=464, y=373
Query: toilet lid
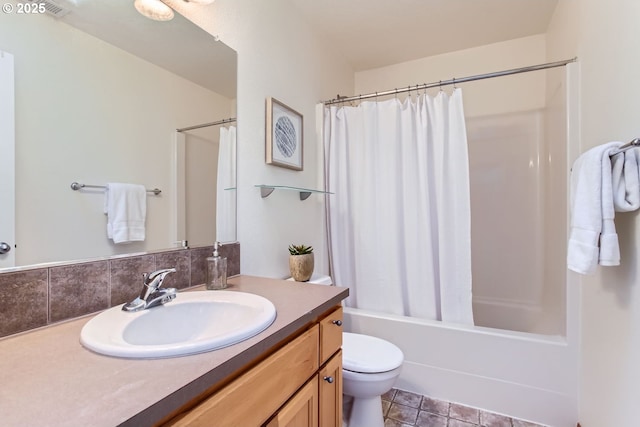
x=367, y=354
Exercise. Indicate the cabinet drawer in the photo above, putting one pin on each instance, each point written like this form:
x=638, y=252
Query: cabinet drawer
x=330, y=334
x=254, y=396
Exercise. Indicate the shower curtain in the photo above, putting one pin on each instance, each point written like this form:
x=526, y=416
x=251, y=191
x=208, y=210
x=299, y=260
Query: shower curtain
x=226, y=191
x=399, y=221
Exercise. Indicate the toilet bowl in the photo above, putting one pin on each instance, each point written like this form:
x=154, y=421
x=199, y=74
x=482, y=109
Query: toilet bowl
x=370, y=367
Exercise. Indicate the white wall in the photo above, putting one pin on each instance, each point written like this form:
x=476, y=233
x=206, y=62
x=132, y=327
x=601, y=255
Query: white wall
x=89, y=112
x=604, y=37
x=481, y=98
x=278, y=56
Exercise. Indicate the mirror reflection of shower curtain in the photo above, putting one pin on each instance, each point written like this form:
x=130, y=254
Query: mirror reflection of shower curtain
x=399, y=221
x=226, y=192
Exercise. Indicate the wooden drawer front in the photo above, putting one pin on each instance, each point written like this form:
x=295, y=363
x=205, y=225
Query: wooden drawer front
x=330, y=380
x=252, y=398
x=301, y=410
x=330, y=334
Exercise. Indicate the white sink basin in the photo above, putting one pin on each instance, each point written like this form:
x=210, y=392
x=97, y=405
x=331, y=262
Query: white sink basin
x=194, y=322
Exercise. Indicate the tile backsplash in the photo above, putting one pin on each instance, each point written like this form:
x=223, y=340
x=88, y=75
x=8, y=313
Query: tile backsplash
x=39, y=296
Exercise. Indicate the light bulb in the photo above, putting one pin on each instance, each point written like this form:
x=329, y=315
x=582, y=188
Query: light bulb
x=154, y=9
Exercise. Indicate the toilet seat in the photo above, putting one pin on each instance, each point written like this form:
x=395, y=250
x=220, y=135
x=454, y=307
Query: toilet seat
x=369, y=355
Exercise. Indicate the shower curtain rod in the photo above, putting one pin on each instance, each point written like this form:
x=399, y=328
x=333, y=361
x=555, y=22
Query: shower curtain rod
x=454, y=81
x=206, y=125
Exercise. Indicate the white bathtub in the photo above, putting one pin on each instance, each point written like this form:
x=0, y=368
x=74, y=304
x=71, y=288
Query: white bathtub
x=527, y=376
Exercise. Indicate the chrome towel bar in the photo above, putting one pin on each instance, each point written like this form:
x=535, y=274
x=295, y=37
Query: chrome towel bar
x=631, y=144
x=77, y=186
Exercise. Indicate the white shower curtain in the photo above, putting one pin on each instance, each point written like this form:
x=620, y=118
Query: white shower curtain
x=399, y=221
x=226, y=191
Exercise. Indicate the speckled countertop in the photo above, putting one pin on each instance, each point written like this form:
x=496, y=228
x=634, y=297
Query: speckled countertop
x=48, y=379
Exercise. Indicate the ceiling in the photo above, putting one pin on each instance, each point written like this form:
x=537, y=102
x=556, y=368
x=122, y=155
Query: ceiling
x=177, y=45
x=368, y=33
x=375, y=33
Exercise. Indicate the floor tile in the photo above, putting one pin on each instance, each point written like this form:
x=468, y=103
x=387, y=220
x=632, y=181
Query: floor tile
x=407, y=409
x=435, y=406
x=464, y=413
x=385, y=407
x=487, y=419
x=408, y=399
x=403, y=413
x=390, y=394
x=457, y=423
x=427, y=419
x=393, y=423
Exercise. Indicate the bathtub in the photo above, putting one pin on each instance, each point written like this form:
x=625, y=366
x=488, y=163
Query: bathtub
x=522, y=375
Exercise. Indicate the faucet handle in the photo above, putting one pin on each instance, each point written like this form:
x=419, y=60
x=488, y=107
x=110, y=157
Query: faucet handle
x=151, y=276
x=153, y=280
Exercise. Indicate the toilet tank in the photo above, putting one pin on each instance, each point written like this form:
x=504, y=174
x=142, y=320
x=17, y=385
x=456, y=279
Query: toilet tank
x=318, y=279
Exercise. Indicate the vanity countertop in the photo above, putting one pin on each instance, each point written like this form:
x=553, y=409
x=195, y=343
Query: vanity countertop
x=47, y=378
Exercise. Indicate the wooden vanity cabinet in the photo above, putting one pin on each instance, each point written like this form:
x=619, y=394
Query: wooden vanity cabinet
x=300, y=385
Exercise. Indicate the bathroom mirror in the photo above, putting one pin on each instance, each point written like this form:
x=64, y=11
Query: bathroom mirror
x=99, y=93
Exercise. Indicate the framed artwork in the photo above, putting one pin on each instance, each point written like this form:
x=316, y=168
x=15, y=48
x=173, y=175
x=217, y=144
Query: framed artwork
x=284, y=145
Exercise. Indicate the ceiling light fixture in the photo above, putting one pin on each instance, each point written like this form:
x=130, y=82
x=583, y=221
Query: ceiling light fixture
x=154, y=9
x=201, y=1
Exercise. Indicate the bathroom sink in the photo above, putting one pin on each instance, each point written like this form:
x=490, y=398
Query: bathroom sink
x=194, y=322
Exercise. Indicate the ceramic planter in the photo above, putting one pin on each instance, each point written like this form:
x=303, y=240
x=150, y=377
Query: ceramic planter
x=301, y=267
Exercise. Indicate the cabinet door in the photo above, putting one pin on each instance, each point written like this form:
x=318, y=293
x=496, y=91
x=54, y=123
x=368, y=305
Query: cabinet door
x=301, y=410
x=330, y=379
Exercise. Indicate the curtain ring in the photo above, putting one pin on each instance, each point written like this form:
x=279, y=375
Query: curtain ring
x=440, y=85
x=454, y=83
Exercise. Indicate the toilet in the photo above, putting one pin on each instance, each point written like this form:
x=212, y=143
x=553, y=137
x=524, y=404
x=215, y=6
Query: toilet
x=370, y=367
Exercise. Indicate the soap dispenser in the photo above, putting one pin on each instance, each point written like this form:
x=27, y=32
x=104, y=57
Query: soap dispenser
x=216, y=270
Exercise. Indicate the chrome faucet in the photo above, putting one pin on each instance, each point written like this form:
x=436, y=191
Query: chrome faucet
x=152, y=295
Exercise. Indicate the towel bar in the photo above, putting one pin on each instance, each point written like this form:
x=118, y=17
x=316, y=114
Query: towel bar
x=78, y=186
x=632, y=144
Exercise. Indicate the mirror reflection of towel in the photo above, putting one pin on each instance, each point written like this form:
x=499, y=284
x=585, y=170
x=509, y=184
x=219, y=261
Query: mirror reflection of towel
x=126, y=209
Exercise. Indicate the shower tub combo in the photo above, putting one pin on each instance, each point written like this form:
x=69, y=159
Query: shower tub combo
x=518, y=374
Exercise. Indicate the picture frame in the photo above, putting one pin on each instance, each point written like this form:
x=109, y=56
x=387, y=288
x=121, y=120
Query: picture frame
x=284, y=136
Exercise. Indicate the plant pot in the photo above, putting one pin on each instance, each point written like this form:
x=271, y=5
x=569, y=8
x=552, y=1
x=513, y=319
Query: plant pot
x=301, y=267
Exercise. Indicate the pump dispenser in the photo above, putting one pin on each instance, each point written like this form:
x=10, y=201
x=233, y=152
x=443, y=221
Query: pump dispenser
x=216, y=270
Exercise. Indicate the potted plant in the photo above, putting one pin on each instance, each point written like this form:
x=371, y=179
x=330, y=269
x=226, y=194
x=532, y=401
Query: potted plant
x=301, y=262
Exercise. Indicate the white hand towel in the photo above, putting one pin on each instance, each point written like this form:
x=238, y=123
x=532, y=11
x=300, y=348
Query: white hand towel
x=626, y=181
x=593, y=237
x=126, y=209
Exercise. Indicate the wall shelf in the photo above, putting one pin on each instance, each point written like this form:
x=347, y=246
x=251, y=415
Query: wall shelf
x=266, y=190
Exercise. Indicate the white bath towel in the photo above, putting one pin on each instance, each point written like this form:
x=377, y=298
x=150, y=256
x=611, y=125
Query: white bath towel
x=626, y=181
x=593, y=239
x=126, y=209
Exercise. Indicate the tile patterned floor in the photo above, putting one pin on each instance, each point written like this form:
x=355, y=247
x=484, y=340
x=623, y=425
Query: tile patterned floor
x=405, y=409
